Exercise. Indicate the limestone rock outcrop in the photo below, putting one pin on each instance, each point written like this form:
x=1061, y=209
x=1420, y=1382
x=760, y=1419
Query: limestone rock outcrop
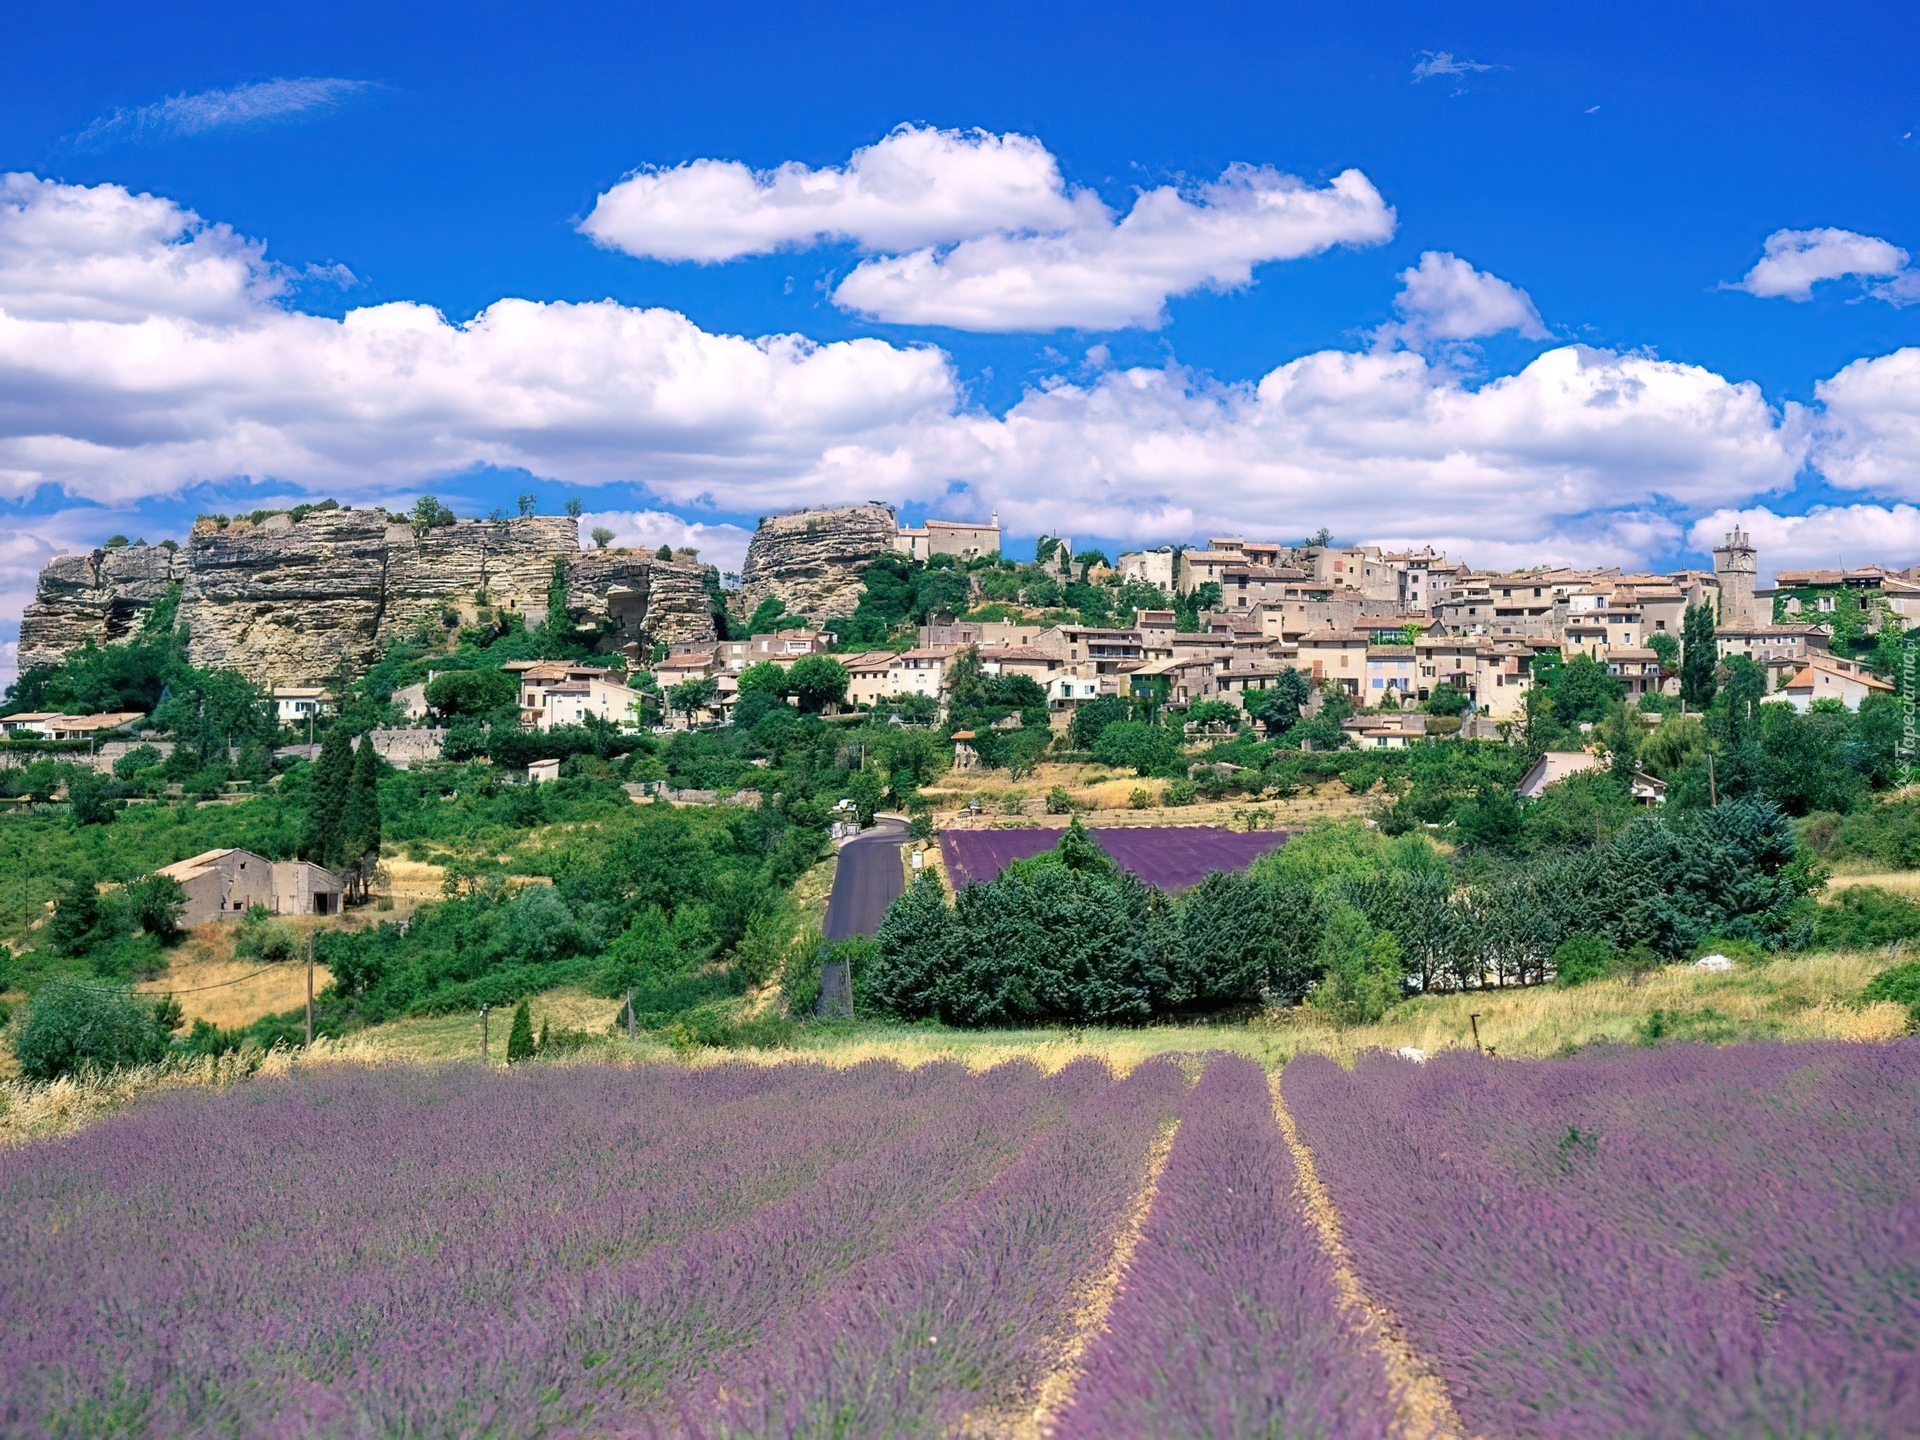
x=811, y=559
x=284, y=602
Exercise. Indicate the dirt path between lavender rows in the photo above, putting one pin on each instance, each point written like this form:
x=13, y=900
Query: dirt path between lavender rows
x=1425, y=1410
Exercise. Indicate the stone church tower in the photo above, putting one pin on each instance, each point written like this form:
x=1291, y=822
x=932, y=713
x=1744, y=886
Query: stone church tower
x=1735, y=562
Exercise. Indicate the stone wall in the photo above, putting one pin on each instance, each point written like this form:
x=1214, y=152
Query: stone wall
x=811, y=559
x=284, y=602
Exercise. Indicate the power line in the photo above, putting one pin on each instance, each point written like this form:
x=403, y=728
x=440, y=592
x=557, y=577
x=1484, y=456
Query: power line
x=197, y=989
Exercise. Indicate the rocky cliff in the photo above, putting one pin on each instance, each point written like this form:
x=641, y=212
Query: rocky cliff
x=811, y=559
x=284, y=601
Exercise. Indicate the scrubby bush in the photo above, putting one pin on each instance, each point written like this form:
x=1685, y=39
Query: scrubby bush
x=74, y=1025
x=1580, y=958
x=1865, y=917
x=1900, y=986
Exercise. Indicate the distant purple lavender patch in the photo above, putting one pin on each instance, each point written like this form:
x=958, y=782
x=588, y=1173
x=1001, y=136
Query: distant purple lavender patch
x=1171, y=857
x=1670, y=1243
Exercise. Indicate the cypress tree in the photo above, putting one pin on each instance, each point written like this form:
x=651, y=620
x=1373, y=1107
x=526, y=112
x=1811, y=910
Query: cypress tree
x=322, y=842
x=520, y=1040
x=1698, y=657
x=77, y=916
x=360, y=817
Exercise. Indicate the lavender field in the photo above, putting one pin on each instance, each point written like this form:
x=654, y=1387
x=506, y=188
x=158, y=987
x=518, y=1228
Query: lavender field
x=1683, y=1242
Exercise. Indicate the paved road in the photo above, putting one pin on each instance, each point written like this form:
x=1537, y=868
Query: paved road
x=867, y=880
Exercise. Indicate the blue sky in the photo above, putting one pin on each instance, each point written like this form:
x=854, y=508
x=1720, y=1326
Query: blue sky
x=1595, y=181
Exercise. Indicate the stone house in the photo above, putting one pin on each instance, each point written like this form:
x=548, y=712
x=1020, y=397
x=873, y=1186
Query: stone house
x=1154, y=567
x=1821, y=678
x=225, y=884
x=960, y=538
x=574, y=702
x=297, y=704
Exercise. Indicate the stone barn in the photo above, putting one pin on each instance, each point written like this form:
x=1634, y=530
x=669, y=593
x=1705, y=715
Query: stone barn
x=225, y=884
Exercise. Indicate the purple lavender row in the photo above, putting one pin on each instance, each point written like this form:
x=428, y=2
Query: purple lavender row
x=958, y=1325
x=1228, y=1324
x=1683, y=1242
x=666, y=1321
x=358, y=1244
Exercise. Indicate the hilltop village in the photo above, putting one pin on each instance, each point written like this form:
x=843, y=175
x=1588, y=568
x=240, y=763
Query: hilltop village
x=300, y=603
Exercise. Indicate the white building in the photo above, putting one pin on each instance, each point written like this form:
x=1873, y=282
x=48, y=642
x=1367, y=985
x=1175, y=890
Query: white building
x=297, y=704
x=572, y=702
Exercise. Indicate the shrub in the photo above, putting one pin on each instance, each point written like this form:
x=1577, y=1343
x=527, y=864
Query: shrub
x=1059, y=802
x=1901, y=986
x=1361, y=966
x=1581, y=958
x=1180, y=792
x=800, y=974
x=261, y=937
x=1865, y=917
x=1139, y=799
x=520, y=1038
x=73, y=1025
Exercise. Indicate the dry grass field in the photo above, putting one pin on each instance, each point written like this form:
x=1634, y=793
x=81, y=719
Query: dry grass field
x=1103, y=796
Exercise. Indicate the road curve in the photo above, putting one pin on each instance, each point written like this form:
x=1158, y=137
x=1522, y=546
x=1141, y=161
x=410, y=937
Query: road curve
x=866, y=881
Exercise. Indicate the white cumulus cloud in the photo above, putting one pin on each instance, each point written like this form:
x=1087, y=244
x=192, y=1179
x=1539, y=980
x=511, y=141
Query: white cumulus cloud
x=181, y=115
x=1868, y=437
x=1444, y=299
x=1794, y=261
x=1103, y=275
x=918, y=186
x=722, y=545
x=143, y=352
x=993, y=238
x=1827, y=536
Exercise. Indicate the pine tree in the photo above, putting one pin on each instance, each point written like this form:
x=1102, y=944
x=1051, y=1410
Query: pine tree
x=541, y=1043
x=520, y=1040
x=1698, y=658
x=322, y=841
x=77, y=916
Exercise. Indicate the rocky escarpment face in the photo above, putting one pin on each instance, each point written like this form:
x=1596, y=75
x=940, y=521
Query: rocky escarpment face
x=286, y=602
x=811, y=559
x=99, y=597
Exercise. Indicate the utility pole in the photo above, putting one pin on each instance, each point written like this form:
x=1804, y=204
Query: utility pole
x=309, y=989
x=483, y=1034
x=629, y=1014
x=1713, y=786
x=1474, y=1020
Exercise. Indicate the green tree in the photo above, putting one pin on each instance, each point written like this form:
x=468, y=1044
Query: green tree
x=1443, y=699
x=472, y=693
x=665, y=552
x=762, y=677
x=1093, y=717
x=1699, y=657
x=426, y=511
x=94, y=798
x=77, y=918
x=1361, y=973
x=156, y=903
x=1583, y=692
x=817, y=681
x=559, y=622
x=1280, y=703
x=1148, y=749
x=360, y=821
x=574, y=507
x=327, y=794
x=75, y=1025
x=520, y=1038
x=1668, y=649
x=691, y=695
x=766, y=615
x=602, y=537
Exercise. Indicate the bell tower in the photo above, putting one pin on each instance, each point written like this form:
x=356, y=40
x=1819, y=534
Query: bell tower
x=1735, y=563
